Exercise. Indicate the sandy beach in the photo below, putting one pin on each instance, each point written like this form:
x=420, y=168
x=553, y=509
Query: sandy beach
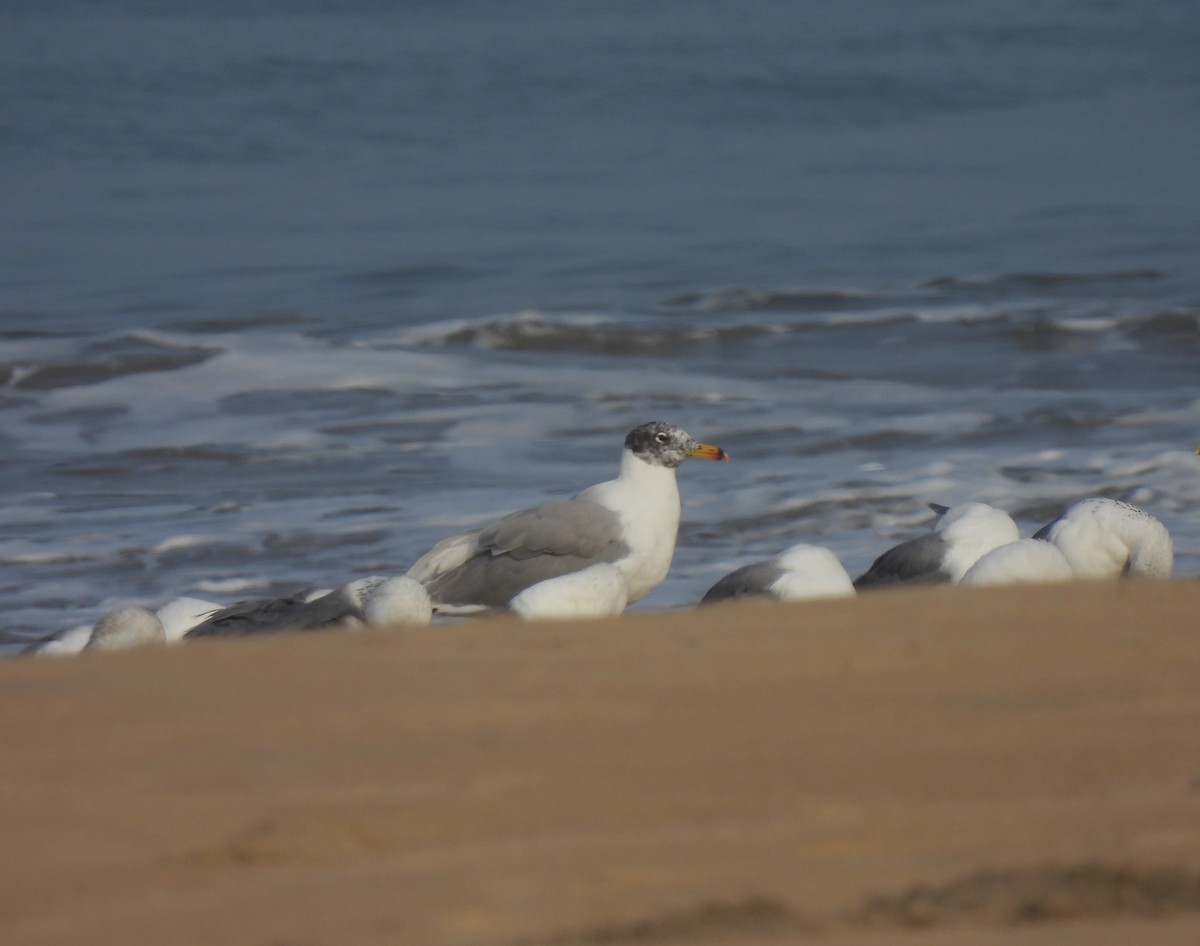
x=927, y=766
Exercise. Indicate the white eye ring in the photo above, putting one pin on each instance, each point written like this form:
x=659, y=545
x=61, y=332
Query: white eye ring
x=660, y=437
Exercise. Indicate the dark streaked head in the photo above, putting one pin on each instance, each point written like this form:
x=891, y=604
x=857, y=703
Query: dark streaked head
x=385, y=601
x=662, y=444
x=126, y=626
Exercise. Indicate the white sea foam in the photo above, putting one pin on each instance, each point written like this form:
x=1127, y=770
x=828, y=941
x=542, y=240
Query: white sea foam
x=178, y=542
x=232, y=586
x=44, y=558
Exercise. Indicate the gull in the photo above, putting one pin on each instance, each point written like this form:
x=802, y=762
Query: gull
x=629, y=523
x=961, y=536
x=374, y=601
x=802, y=571
x=1106, y=538
x=175, y=618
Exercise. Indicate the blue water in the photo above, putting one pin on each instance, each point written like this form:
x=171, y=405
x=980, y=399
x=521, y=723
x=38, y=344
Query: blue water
x=290, y=290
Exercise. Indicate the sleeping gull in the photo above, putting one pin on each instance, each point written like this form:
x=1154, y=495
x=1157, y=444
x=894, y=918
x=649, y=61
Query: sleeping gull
x=961, y=536
x=122, y=624
x=374, y=601
x=629, y=523
x=1105, y=538
x=802, y=571
x=1022, y=562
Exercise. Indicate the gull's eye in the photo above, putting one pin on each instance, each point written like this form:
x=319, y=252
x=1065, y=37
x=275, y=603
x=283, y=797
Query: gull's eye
x=661, y=437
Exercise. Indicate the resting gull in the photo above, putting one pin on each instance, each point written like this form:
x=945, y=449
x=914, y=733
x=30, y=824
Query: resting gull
x=1022, y=562
x=175, y=618
x=802, y=571
x=961, y=536
x=375, y=601
x=629, y=523
x=1106, y=538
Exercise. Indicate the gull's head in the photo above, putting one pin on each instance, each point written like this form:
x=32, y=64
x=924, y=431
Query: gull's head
x=661, y=444
x=126, y=626
x=976, y=519
x=386, y=601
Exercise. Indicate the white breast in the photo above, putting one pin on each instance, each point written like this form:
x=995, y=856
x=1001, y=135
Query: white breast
x=1021, y=562
x=646, y=499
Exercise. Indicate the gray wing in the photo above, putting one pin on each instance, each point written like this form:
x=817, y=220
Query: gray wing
x=917, y=560
x=528, y=547
x=748, y=581
x=271, y=615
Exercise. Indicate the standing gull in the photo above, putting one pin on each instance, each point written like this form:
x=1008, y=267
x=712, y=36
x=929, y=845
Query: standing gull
x=375, y=601
x=1105, y=538
x=802, y=571
x=629, y=523
x=961, y=536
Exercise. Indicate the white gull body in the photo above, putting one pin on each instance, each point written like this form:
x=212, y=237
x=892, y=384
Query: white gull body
x=596, y=592
x=1105, y=538
x=802, y=571
x=1026, y=561
x=64, y=643
x=629, y=523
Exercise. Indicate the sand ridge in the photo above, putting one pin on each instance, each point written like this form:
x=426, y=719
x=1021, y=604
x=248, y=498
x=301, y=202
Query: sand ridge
x=968, y=766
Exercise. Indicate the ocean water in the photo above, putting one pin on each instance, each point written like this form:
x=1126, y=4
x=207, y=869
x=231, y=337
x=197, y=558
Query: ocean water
x=289, y=291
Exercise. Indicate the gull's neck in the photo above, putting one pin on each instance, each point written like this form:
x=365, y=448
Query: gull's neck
x=646, y=497
x=634, y=467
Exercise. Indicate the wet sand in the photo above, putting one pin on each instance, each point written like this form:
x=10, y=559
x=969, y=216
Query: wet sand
x=938, y=766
